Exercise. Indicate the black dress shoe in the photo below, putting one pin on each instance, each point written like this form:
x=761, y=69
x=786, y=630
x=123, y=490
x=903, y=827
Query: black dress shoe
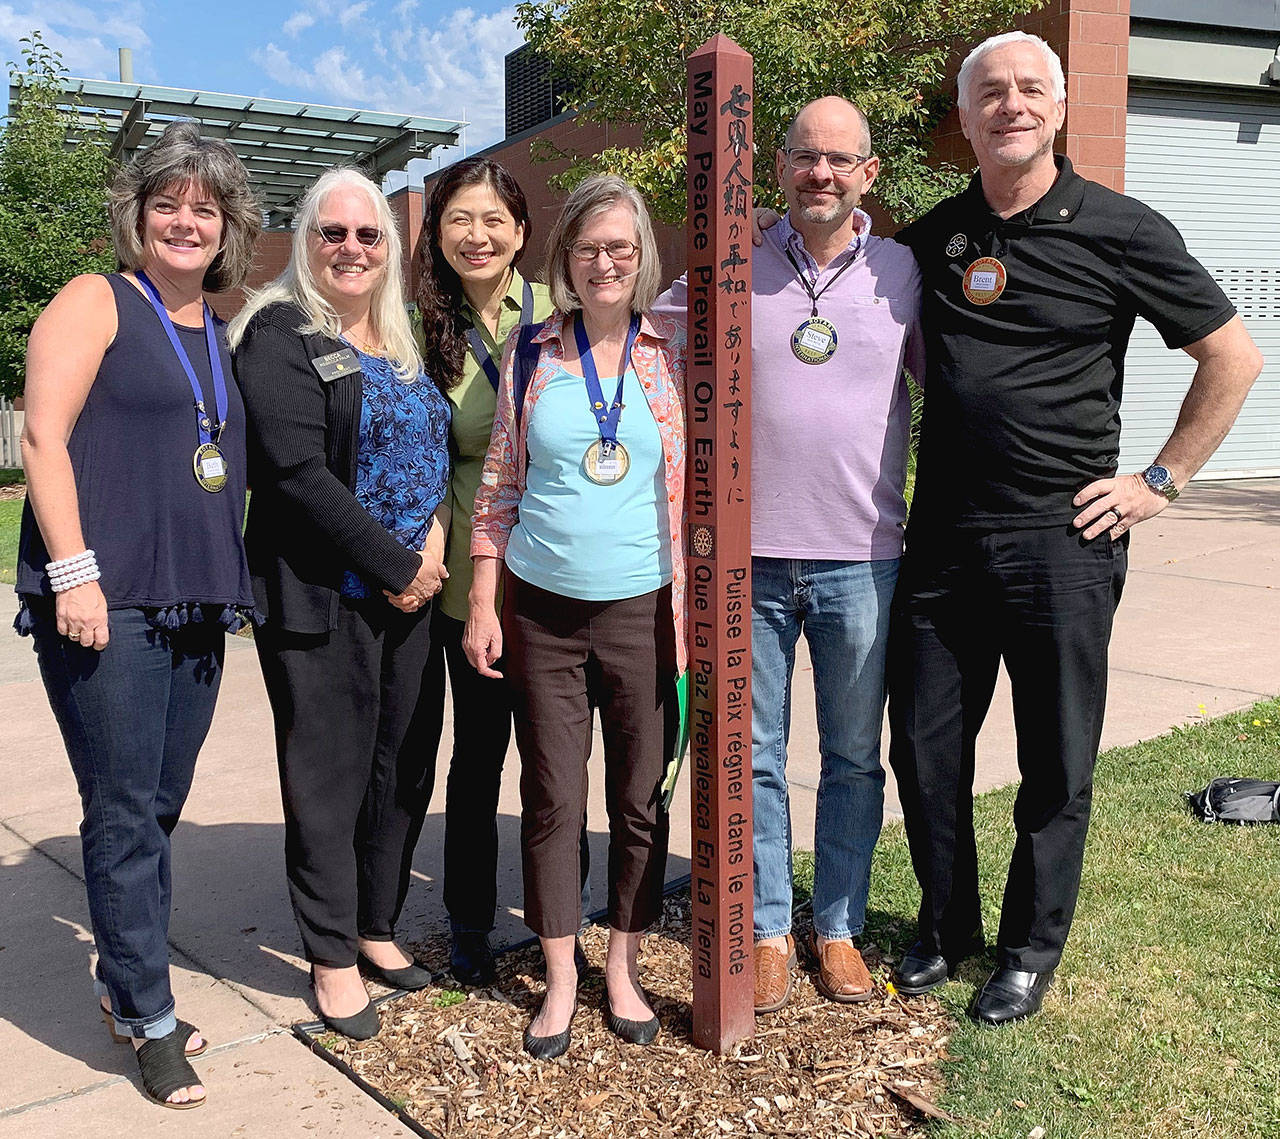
x=471, y=959
x=920, y=971
x=364, y=1025
x=632, y=1031
x=1009, y=995
x=409, y=977
x=549, y=1047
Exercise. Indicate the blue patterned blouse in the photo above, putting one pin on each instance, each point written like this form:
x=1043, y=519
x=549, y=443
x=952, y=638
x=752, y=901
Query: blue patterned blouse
x=402, y=471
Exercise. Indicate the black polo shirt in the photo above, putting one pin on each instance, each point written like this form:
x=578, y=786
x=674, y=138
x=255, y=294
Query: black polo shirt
x=1022, y=392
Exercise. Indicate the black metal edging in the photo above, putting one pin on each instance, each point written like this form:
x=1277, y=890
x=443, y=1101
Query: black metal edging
x=305, y=1031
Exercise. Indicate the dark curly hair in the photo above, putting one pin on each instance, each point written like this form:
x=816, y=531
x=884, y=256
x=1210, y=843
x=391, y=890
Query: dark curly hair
x=439, y=293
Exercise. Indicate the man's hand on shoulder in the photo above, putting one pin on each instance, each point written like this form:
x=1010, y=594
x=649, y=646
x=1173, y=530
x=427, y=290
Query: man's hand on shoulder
x=1115, y=505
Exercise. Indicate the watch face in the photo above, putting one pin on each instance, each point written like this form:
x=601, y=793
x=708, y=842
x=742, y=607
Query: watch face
x=1158, y=476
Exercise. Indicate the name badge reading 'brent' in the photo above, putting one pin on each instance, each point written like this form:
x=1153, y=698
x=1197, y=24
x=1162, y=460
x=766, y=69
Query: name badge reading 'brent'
x=984, y=281
x=335, y=365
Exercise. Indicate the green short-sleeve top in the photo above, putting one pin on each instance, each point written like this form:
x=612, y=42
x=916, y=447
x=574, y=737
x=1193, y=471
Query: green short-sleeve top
x=473, y=401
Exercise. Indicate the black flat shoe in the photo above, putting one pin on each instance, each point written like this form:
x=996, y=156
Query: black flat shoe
x=1009, y=995
x=364, y=1025
x=549, y=1047
x=410, y=977
x=921, y=972
x=632, y=1031
x=471, y=959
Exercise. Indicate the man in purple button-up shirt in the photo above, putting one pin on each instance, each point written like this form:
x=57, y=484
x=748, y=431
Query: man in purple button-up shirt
x=835, y=320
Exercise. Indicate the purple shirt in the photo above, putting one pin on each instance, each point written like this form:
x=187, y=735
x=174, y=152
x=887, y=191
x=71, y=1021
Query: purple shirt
x=829, y=441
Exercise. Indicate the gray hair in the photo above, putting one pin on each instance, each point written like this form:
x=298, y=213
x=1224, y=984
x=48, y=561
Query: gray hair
x=389, y=320
x=181, y=157
x=597, y=194
x=964, y=81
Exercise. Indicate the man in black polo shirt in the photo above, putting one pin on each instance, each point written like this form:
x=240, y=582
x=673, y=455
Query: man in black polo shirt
x=1016, y=546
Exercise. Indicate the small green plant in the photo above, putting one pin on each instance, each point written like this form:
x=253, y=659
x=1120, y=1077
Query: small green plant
x=447, y=998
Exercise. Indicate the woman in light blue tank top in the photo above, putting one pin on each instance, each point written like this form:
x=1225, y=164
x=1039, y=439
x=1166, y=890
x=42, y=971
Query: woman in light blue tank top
x=582, y=497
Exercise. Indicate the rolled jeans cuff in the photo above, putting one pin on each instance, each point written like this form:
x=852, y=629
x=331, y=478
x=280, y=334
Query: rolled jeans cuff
x=143, y=1028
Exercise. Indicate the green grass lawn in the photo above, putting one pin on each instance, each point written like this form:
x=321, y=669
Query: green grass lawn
x=1164, y=1019
x=10, y=515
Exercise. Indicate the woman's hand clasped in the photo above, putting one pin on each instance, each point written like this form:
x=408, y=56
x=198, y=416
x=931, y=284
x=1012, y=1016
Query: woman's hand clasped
x=81, y=614
x=426, y=584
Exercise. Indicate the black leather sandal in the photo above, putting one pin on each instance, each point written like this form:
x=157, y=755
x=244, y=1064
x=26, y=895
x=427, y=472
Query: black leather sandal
x=165, y=1070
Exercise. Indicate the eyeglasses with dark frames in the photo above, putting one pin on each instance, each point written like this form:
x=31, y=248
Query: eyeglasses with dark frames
x=841, y=162
x=615, y=250
x=367, y=235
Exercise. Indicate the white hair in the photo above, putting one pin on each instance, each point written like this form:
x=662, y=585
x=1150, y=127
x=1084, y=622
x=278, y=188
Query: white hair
x=388, y=317
x=965, y=79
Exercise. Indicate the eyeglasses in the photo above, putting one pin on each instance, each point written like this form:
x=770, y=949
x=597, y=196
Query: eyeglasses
x=366, y=235
x=615, y=250
x=803, y=159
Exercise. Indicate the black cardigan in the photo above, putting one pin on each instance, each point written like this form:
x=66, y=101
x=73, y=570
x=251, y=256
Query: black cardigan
x=305, y=525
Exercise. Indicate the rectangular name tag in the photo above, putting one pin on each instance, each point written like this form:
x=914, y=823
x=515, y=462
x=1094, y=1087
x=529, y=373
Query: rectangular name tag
x=212, y=467
x=815, y=339
x=981, y=282
x=335, y=365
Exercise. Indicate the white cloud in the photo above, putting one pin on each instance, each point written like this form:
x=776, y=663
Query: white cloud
x=298, y=22
x=447, y=65
x=87, y=37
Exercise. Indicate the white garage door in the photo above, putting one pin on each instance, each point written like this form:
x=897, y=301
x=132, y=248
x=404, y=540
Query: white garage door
x=1211, y=164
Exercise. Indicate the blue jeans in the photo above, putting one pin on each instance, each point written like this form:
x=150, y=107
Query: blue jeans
x=843, y=609
x=133, y=718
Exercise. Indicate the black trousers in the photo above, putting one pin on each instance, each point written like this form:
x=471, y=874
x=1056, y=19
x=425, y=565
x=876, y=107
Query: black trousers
x=564, y=657
x=481, y=734
x=355, y=777
x=1043, y=601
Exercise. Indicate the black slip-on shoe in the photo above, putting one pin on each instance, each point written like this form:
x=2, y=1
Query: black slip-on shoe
x=1009, y=995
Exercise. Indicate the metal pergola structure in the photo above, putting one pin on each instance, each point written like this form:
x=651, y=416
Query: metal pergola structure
x=283, y=144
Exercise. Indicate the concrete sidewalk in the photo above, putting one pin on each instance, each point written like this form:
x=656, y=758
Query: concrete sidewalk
x=1196, y=635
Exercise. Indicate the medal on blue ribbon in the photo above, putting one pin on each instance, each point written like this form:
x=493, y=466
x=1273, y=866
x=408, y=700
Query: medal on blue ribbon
x=209, y=461
x=606, y=461
x=481, y=350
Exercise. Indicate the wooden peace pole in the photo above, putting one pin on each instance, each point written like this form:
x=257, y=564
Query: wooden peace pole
x=719, y=540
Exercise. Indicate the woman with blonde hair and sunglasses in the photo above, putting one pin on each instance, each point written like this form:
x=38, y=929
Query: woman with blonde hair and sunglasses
x=349, y=463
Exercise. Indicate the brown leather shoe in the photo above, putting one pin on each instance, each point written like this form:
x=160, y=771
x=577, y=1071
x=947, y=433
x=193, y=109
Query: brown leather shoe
x=773, y=975
x=842, y=974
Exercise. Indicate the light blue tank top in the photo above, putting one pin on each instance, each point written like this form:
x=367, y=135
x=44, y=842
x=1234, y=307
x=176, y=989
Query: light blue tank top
x=578, y=539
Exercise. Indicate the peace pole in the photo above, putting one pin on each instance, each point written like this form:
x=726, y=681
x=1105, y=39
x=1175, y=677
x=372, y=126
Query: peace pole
x=718, y=408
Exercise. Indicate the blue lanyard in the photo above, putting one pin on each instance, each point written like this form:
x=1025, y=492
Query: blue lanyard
x=215, y=361
x=608, y=420
x=481, y=351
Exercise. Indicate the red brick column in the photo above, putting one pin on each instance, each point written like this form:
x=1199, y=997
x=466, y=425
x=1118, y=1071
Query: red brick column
x=407, y=205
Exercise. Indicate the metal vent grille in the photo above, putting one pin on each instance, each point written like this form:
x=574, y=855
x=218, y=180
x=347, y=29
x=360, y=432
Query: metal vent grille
x=1255, y=291
x=532, y=96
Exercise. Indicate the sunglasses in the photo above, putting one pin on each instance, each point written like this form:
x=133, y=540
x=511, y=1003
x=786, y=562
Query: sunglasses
x=366, y=235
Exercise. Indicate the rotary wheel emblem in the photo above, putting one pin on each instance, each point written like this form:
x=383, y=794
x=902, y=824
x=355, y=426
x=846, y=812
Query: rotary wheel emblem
x=703, y=542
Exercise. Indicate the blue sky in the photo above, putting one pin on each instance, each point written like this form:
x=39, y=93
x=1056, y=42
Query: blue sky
x=426, y=57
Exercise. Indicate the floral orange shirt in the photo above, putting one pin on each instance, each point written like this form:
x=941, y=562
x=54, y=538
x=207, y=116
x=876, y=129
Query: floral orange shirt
x=658, y=358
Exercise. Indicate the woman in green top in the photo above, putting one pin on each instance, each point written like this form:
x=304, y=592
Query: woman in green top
x=470, y=297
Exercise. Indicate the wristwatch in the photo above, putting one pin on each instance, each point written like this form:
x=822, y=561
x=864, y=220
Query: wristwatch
x=1160, y=480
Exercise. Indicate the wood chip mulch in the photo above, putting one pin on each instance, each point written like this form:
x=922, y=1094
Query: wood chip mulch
x=13, y=492
x=816, y=1069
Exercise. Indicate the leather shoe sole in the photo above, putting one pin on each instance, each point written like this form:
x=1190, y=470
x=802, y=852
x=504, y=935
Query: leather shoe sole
x=1010, y=995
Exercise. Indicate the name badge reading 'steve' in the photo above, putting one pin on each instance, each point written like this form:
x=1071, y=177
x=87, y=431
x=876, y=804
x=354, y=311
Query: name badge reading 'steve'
x=335, y=365
x=814, y=342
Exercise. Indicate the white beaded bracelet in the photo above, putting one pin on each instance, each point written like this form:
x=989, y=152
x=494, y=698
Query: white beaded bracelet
x=73, y=562
x=70, y=572
x=70, y=583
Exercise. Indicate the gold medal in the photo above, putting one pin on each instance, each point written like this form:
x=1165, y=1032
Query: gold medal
x=984, y=281
x=814, y=342
x=605, y=468
x=210, y=465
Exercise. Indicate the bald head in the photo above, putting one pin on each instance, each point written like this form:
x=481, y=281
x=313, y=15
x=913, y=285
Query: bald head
x=832, y=115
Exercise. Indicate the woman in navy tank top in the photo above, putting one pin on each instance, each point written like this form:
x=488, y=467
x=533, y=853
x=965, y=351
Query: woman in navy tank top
x=131, y=567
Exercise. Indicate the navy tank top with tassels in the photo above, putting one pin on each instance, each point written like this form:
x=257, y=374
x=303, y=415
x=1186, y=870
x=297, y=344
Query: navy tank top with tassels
x=163, y=544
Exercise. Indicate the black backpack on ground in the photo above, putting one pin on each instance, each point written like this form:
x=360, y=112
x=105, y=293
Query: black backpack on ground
x=1236, y=801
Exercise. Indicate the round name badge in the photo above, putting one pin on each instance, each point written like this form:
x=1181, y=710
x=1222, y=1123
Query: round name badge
x=984, y=281
x=606, y=468
x=814, y=342
x=210, y=466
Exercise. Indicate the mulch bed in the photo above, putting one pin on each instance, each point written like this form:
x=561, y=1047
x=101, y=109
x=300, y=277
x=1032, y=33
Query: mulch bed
x=10, y=493
x=454, y=1063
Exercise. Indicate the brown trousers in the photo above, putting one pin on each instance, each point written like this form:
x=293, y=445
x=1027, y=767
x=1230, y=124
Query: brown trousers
x=563, y=658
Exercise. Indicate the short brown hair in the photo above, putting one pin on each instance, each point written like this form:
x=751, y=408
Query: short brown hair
x=179, y=157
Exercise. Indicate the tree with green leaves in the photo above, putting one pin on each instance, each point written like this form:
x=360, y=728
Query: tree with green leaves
x=53, y=202
x=625, y=61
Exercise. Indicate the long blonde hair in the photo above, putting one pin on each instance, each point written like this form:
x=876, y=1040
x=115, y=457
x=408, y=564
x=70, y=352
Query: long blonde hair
x=388, y=318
